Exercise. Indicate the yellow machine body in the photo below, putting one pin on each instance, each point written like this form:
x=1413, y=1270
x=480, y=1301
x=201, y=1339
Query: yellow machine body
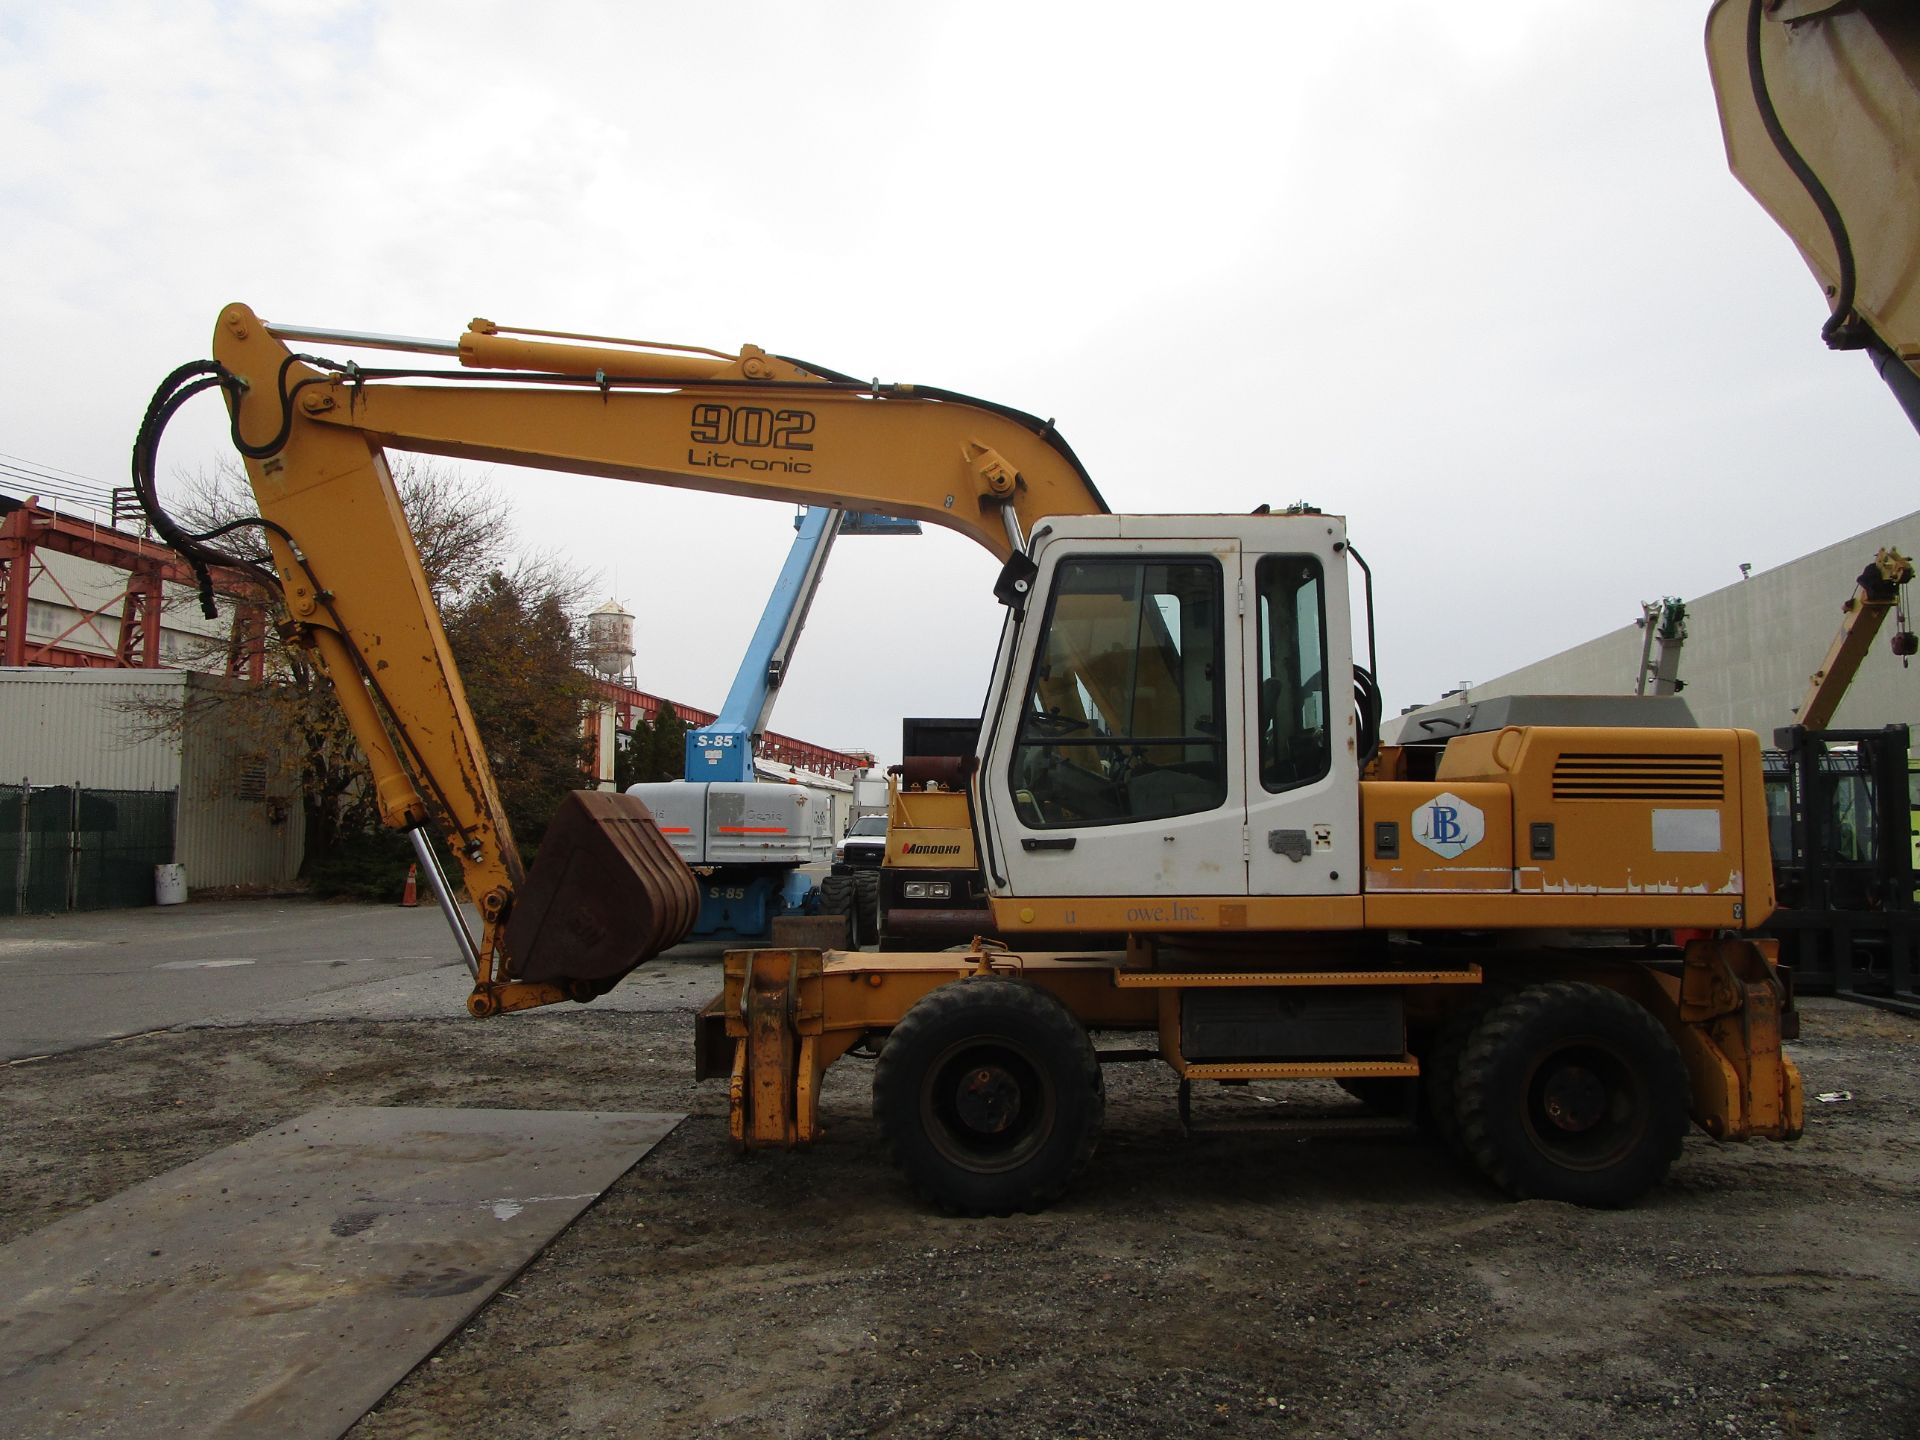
x=785, y=1016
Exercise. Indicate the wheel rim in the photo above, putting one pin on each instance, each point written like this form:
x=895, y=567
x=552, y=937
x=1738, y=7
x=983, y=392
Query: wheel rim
x=987, y=1105
x=1585, y=1105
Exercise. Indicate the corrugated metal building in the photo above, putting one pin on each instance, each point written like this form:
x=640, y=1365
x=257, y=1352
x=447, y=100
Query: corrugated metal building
x=1750, y=648
x=238, y=818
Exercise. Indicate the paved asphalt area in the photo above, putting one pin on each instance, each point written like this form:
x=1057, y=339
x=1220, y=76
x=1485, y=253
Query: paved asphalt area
x=72, y=981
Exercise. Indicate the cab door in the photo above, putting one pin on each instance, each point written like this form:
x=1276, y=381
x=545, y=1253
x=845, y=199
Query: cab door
x=1115, y=763
x=1302, y=763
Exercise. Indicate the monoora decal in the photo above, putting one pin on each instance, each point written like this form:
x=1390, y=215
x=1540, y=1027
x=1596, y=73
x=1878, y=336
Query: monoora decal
x=1449, y=826
x=918, y=847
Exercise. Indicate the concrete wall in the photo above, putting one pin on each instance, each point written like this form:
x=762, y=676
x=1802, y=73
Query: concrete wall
x=1751, y=647
x=238, y=820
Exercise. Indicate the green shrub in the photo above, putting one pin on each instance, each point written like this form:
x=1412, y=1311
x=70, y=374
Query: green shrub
x=373, y=867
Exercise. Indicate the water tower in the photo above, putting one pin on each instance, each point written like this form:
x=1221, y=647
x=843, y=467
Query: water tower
x=610, y=641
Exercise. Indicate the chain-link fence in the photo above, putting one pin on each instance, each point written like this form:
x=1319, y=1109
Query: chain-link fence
x=67, y=848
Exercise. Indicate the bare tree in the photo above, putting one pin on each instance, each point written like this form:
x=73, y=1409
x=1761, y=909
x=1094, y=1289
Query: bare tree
x=511, y=621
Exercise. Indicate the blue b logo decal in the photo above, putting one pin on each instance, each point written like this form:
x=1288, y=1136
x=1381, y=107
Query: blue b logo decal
x=1449, y=826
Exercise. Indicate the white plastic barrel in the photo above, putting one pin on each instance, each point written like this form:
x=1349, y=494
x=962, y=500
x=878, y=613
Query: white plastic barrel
x=169, y=884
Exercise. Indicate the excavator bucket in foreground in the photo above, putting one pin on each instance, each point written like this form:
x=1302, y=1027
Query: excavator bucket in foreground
x=606, y=892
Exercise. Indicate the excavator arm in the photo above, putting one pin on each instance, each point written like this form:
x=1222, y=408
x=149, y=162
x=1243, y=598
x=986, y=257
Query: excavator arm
x=1820, y=106
x=608, y=892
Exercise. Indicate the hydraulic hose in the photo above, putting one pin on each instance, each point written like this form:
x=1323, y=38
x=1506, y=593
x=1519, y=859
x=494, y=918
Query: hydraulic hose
x=185, y=382
x=1843, y=329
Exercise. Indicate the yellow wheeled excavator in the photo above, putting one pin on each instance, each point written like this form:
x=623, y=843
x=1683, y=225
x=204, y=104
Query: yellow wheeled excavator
x=1179, y=749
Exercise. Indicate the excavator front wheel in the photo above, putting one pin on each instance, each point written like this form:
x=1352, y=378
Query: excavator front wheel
x=989, y=1095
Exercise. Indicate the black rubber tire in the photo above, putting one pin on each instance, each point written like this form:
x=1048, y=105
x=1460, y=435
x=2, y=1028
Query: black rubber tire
x=866, y=904
x=1572, y=1092
x=836, y=898
x=1440, y=1074
x=989, y=1096
x=1382, y=1094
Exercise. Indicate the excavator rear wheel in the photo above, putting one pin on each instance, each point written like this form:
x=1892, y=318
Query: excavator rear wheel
x=1572, y=1092
x=989, y=1096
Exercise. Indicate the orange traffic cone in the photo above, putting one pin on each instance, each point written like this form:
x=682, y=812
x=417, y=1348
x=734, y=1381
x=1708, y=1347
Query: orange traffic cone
x=411, y=895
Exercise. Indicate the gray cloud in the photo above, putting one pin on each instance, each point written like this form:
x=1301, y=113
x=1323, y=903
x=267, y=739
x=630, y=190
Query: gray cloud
x=1478, y=280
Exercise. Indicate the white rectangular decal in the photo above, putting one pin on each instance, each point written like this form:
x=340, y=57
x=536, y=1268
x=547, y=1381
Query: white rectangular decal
x=1693, y=832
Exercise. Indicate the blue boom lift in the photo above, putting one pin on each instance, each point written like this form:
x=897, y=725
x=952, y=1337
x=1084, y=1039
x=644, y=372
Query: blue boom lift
x=748, y=843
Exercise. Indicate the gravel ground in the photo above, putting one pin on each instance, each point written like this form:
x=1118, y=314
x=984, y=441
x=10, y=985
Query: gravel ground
x=1245, y=1281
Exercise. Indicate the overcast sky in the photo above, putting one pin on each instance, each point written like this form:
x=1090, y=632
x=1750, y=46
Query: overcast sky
x=1475, y=277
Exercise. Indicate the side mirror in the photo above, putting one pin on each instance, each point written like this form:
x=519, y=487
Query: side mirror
x=1015, y=583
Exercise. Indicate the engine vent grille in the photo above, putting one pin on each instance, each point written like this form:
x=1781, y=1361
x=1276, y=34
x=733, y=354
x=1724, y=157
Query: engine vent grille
x=1639, y=777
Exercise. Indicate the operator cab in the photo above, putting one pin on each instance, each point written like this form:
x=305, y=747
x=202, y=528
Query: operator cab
x=1174, y=716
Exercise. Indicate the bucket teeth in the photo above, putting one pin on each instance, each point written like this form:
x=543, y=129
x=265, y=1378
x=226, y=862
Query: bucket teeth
x=606, y=893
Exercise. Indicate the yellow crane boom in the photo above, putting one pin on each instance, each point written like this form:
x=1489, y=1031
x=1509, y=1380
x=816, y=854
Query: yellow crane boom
x=1877, y=592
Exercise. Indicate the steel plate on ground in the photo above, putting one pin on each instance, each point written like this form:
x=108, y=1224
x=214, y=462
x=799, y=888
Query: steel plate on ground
x=281, y=1286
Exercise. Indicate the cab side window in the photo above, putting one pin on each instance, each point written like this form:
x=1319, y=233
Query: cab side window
x=1294, y=711
x=1123, y=718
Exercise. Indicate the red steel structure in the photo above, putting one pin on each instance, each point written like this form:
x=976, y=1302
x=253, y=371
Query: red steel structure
x=633, y=707
x=26, y=529
x=134, y=634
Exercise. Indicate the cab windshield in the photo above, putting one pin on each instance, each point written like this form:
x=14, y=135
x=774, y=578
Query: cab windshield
x=1123, y=714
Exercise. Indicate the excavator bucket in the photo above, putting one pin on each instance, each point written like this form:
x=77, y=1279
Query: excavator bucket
x=606, y=893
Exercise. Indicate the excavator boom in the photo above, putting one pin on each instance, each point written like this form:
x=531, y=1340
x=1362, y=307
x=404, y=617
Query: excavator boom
x=314, y=432
x=752, y=425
